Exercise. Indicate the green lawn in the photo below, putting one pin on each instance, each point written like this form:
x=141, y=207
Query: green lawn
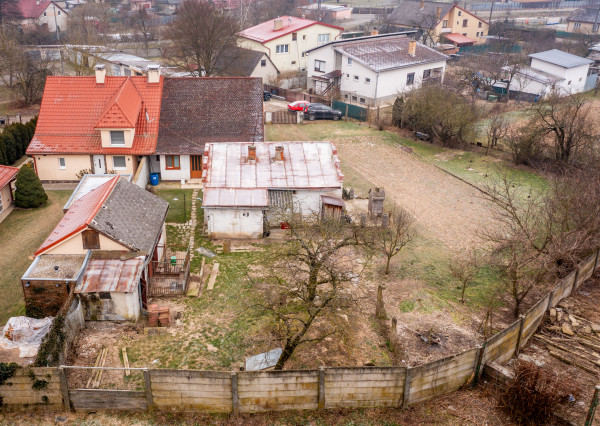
x=175, y=198
x=21, y=233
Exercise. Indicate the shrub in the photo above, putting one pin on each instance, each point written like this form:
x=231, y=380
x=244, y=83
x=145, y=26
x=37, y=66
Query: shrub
x=534, y=394
x=30, y=192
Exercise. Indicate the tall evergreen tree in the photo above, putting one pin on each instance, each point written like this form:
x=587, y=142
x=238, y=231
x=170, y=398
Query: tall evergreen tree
x=30, y=192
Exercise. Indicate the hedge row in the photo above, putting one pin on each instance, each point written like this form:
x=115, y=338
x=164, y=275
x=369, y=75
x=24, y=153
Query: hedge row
x=14, y=141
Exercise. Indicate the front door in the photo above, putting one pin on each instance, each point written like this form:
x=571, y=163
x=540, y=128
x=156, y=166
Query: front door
x=195, y=167
x=99, y=165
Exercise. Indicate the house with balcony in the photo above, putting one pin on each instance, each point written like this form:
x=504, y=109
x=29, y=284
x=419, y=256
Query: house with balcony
x=373, y=70
x=287, y=39
x=96, y=124
x=439, y=23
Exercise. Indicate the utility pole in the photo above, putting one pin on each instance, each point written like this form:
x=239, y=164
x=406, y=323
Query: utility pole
x=491, y=11
x=56, y=22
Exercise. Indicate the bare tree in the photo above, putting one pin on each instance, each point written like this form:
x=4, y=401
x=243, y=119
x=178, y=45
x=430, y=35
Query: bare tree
x=307, y=279
x=9, y=12
x=496, y=131
x=567, y=125
x=200, y=35
x=524, y=143
x=464, y=267
x=142, y=22
x=393, y=238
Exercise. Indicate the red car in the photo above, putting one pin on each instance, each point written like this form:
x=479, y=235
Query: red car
x=298, y=106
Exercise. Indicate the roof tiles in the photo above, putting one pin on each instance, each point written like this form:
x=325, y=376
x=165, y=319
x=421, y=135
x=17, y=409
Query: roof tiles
x=7, y=174
x=266, y=31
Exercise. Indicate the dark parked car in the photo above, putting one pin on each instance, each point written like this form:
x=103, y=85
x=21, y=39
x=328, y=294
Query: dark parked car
x=266, y=95
x=314, y=111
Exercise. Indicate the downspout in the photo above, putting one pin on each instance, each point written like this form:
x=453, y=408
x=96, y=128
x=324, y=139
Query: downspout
x=376, y=84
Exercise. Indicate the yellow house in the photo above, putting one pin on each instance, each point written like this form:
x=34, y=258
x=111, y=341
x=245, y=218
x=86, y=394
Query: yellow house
x=286, y=39
x=440, y=23
x=584, y=21
x=97, y=124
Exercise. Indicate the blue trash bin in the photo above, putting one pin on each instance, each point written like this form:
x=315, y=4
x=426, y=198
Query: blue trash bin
x=154, y=179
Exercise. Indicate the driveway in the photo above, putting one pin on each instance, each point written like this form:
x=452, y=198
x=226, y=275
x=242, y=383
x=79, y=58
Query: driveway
x=275, y=105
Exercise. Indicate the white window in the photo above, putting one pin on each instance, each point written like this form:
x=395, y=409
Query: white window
x=349, y=61
x=323, y=38
x=410, y=79
x=119, y=163
x=367, y=80
x=426, y=74
x=61, y=163
x=319, y=65
x=117, y=137
x=577, y=25
x=362, y=100
x=282, y=48
x=445, y=23
x=116, y=70
x=356, y=78
x=354, y=98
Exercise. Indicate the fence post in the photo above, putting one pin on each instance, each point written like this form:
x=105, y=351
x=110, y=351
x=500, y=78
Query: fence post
x=550, y=300
x=149, y=398
x=480, y=352
x=574, y=285
x=321, y=404
x=234, y=394
x=596, y=261
x=520, y=336
x=406, y=394
x=64, y=388
x=590, y=416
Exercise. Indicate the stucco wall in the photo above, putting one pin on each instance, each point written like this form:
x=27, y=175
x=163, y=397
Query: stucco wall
x=130, y=164
x=182, y=173
x=47, y=166
x=120, y=306
x=234, y=223
x=6, y=196
x=128, y=134
x=455, y=25
x=584, y=28
x=268, y=73
x=74, y=245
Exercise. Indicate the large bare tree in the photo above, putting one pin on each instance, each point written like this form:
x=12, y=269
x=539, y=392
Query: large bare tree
x=390, y=240
x=310, y=279
x=200, y=34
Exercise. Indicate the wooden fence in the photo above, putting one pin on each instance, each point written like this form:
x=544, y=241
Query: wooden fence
x=346, y=387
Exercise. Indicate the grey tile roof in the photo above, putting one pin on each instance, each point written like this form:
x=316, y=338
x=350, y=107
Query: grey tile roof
x=386, y=54
x=584, y=15
x=132, y=216
x=560, y=58
x=195, y=111
x=410, y=14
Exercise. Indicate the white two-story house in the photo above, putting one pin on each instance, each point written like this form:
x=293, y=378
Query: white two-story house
x=373, y=70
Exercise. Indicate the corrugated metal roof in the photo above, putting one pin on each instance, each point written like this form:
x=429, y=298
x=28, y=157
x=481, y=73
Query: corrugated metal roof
x=111, y=275
x=280, y=199
x=333, y=201
x=560, y=58
x=306, y=165
x=235, y=197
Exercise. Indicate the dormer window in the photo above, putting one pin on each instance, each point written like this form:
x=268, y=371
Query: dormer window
x=117, y=137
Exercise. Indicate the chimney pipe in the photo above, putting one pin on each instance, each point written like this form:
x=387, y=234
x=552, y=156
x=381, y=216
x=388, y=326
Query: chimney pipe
x=100, y=73
x=153, y=72
x=422, y=4
x=278, y=153
x=277, y=24
x=374, y=31
x=412, y=47
x=251, y=152
x=438, y=13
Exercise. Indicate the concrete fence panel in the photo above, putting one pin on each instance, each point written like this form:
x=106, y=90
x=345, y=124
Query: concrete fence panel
x=278, y=390
x=18, y=390
x=181, y=390
x=586, y=269
x=501, y=347
x=364, y=387
x=532, y=319
x=442, y=376
x=563, y=289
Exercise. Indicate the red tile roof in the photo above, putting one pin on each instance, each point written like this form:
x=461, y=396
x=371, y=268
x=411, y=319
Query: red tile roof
x=7, y=174
x=31, y=9
x=266, y=31
x=73, y=106
x=79, y=216
x=123, y=109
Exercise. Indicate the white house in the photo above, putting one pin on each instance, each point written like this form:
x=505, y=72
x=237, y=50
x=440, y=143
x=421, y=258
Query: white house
x=248, y=187
x=373, y=70
x=43, y=13
x=554, y=70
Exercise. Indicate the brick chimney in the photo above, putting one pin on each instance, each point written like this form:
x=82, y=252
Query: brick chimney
x=412, y=47
x=277, y=24
x=100, y=73
x=153, y=72
x=374, y=31
x=251, y=152
x=438, y=14
x=278, y=153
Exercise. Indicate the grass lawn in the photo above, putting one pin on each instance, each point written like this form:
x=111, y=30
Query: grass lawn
x=21, y=234
x=175, y=198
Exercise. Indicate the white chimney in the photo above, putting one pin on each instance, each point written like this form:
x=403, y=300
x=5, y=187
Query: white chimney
x=412, y=47
x=153, y=72
x=279, y=153
x=100, y=73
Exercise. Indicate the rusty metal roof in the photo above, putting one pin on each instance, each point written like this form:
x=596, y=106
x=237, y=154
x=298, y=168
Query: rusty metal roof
x=333, y=201
x=111, y=275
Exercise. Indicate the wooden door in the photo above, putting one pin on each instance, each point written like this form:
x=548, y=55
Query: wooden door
x=195, y=167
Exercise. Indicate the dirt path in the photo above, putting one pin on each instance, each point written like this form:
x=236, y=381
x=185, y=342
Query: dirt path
x=449, y=209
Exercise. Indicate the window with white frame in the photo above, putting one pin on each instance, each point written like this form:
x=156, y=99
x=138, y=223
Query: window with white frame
x=119, y=162
x=577, y=25
x=319, y=65
x=62, y=163
x=367, y=80
x=282, y=48
x=410, y=79
x=426, y=74
x=445, y=23
x=356, y=78
x=323, y=38
x=117, y=137
x=362, y=100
